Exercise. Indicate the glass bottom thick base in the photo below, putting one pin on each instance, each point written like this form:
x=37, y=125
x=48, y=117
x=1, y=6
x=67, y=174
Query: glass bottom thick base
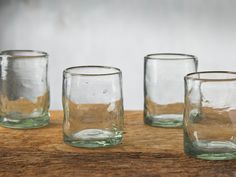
x=164, y=120
x=210, y=150
x=93, y=138
x=27, y=123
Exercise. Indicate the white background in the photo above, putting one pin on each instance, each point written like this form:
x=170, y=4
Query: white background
x=120, y=33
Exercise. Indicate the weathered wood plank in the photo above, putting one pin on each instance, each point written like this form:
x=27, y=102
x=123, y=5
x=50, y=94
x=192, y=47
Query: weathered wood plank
x=145, y=151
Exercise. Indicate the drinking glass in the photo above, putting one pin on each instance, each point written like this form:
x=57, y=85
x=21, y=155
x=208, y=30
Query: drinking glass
x=93, y=106
x=210, y=115
x=24, y=89
x=164, y=87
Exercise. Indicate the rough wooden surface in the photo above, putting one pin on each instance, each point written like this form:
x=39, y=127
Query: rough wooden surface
x=146, y=151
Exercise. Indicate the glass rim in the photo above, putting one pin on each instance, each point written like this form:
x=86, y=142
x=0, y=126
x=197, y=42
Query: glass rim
x=70, y=70
x=32, y=53
x=172, y=56
x=190, y=76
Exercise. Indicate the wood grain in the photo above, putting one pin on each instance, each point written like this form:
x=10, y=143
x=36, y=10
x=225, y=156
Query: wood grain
x=145, y=151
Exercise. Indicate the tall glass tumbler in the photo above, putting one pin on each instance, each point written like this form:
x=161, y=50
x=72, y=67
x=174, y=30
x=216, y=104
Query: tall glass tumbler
x=210, y=115
x=93, y=106
x=24, y=89
x=164, y=87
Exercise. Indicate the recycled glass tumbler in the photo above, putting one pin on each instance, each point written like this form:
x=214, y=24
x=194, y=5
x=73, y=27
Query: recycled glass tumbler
x=24, y=89
x=210, y=115
x=164, y=87
x=93, y=106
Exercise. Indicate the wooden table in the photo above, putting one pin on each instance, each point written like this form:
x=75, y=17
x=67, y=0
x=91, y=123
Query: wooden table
x=145, y=151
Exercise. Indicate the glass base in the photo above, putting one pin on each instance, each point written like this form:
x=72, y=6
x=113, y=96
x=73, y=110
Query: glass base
x=26, y=123
x=164, y=120
x=92, y=138
x=210, y=150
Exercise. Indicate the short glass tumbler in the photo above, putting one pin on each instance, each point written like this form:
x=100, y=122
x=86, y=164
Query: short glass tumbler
x=93, y=106
x=24, y=89
x=210, y=115
x=164, y=87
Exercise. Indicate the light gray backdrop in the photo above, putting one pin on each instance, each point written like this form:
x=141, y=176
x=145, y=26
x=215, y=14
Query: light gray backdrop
x=119, y=33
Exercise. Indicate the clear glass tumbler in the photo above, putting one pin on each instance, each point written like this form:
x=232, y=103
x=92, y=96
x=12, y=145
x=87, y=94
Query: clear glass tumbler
x=164, y=87
x=93, y=106
x=210, y=115
x=24, y=89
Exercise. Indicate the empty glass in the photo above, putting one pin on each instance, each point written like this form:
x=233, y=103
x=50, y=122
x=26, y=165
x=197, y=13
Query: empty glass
x=210, y=115
x=164, y=87
x=24, y=89
x=93, y=106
